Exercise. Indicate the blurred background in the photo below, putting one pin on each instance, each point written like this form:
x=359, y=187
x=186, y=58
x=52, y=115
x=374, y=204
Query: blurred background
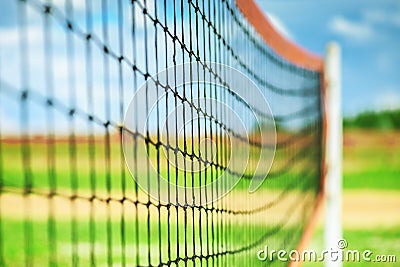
x=369, y=35
x=68, y=70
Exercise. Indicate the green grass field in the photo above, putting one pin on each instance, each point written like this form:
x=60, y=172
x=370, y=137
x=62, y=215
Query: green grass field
x=371, y=189
x=382, y=241
x=95, y=227
x=371, y=168
x=120, y=250
x=371, y=160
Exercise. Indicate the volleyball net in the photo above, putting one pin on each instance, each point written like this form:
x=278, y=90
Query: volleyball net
x=154, y=133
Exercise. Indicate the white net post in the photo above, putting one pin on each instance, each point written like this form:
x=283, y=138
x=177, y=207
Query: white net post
x=334, y=139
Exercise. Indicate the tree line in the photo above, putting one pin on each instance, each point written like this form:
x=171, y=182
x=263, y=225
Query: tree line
x=385, y=120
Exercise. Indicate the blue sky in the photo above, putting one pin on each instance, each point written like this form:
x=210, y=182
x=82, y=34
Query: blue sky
x=47, y=69
x=369, y=35
x=368, y=32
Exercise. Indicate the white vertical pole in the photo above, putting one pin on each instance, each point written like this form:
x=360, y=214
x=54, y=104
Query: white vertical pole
x=334, y=140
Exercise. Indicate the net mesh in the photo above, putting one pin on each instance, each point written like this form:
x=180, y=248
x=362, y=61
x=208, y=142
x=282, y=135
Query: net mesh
x=68, y=71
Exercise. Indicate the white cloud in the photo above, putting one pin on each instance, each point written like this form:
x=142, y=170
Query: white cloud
x=10, y=69
x=382, y=17
x=375, y=15
x=280, y=26
x=358, y=31
x=388, y=99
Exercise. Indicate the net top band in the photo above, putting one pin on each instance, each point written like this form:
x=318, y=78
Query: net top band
x=278, y=43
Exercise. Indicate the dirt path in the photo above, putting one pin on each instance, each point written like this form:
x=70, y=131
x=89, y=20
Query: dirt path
x=371, y=209
x=362, y=209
